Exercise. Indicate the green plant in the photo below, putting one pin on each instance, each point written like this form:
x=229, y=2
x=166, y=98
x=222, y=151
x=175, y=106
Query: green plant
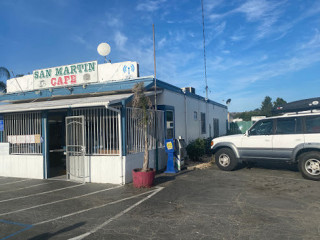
x=196, y=149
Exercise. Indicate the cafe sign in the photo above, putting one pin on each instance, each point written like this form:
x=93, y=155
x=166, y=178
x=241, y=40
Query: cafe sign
x=75, y=74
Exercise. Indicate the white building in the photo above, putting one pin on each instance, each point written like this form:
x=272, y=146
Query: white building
x=76, y=120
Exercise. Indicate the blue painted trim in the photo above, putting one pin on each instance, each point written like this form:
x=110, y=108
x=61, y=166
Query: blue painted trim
x=26, y=227
x=168, y=108
x=170, y=87
x=45, y=147
x=75, y=90
x=99, y=88
x=124, y=128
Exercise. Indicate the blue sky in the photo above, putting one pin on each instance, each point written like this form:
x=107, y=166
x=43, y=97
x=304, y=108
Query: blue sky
x=254, y=48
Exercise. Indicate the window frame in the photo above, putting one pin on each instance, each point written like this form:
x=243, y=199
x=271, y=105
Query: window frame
x=264, y=120
x=203, y=123
x=305, y=124
x=296, y=127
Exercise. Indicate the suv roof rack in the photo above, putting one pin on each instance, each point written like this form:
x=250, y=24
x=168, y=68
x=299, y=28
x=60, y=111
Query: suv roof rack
x=301, y=112
x=310, y=105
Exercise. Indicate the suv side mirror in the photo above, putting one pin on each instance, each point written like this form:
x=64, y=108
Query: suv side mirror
x=247, y=133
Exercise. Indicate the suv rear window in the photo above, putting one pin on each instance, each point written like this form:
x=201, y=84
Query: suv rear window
x=313, y=124
x=289, y=126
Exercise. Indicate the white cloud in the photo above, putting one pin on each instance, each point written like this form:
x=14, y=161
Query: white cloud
x=255, y=9
x=81, y=40
x=191, y=34
x=120, y=39
x=314, y=42
x=264, y=12
x=162, y=42
x=210, y=5
x=114, y=22
x=247, y=74
x=264, y=57
x=237, y=37
x=150, y=5
x=219, y=29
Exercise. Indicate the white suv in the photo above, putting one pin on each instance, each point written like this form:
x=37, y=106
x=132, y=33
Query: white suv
x=293, y=138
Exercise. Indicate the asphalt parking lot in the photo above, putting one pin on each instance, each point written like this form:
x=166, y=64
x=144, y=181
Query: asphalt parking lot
x=262, y=202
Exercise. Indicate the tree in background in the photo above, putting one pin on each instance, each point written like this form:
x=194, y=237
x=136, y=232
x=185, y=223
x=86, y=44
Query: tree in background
x=279, y=102
x=4, y=76
x=246, y=116
x=266, y=107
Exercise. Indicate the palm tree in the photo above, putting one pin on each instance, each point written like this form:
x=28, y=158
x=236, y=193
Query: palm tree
x=4, y=76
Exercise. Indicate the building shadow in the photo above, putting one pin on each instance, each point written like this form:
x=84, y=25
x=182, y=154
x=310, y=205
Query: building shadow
x=167, y=177
x=48, y=235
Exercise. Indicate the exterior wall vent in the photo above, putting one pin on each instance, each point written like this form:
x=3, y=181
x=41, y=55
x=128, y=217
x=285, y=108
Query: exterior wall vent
x=189, y=89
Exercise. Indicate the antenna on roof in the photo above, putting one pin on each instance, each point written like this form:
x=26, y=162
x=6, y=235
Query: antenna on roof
x=104, y=49
x=204, y=52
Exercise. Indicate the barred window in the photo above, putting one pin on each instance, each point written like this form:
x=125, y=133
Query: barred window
x=23, y=132
x=135, y=132
x=101, y=130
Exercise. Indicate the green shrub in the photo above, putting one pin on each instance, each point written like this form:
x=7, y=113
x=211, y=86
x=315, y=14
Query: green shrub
x=196, y=149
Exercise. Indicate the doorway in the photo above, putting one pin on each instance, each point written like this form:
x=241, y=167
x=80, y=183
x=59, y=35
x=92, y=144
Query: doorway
x=57, y=144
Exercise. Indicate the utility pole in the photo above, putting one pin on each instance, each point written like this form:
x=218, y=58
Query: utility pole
x=155, y=69
x=155, y=96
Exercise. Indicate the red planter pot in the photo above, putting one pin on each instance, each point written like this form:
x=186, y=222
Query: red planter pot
x=143, y=179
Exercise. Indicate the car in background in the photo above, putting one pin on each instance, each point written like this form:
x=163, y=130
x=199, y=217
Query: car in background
x=293, y=138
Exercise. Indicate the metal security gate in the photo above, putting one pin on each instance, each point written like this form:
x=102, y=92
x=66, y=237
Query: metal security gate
x=77, y=164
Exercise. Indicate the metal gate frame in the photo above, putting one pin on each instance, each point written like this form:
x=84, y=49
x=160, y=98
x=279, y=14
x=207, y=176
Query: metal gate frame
x=76, y=163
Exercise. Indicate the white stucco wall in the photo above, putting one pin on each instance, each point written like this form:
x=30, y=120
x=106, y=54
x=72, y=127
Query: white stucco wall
x=117, y=169
x=105, y=169
x=185, y=106
x=22, y=166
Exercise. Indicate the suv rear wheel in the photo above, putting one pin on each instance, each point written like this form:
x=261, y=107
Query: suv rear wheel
x=309, y=165
x=225, y=159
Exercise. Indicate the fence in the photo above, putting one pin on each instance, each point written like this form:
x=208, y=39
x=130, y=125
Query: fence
x=23, y=132
x=135, y=130
x=101, y=130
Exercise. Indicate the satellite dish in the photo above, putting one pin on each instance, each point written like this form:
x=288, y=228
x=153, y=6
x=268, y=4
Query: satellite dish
x=104, y=49
x=228, y=101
